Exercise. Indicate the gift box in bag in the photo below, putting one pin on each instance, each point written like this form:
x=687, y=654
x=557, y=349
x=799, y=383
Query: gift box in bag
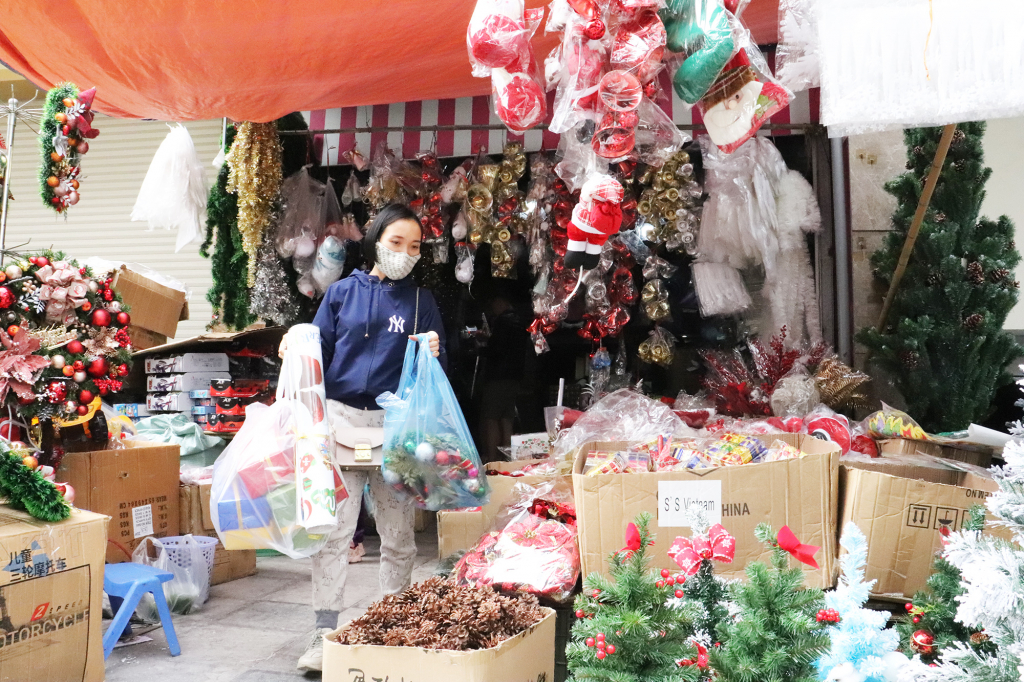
x=262, y=476
x=282, y=506
x=243, y=513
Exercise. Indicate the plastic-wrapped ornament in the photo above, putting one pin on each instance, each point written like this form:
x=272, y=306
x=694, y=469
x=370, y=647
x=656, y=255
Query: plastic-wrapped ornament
x=655, y=299
x=670, y=202
x=464, y=262
x=656, y=268
x=353, y=190
x=658, y=348
x=600, y=371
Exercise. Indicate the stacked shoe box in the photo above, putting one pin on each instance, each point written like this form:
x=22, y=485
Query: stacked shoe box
x=221, y=408
x=169, y=381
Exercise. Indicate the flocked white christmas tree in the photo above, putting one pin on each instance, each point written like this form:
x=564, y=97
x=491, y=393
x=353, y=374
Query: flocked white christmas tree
x=862, y=649
x=993, y=579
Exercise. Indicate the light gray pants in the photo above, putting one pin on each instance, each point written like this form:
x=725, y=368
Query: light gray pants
x=395, y=521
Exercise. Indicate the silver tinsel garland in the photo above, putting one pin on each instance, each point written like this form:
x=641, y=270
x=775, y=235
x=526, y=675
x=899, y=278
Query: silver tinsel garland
x=272, y=300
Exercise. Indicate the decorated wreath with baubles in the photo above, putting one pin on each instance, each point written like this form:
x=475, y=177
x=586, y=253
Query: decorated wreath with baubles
x=63, y=336
x=64, y=133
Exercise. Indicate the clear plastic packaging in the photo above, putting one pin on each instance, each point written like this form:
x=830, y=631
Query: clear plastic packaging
x=742, y=98
x=796, y=56
x=429, y=454
x=720, y=289
x=694, y=410
x=892, y=423
x=825, y=424
x=188, y=590
x=658, y=348
x=702, y=31
x=795, y=394
x=655, y=300
x=577, y=66
x=330, y=262
x=621, y=415
x=497, y=35
x=531, y=548
x=302, y=220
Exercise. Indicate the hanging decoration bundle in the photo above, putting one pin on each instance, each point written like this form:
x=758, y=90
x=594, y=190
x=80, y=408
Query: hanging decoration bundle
x=64, y=134
x=254, y=175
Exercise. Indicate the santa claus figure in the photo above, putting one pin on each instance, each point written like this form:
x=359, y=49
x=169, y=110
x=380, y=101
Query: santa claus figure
x=739, y=103
x=596, y=217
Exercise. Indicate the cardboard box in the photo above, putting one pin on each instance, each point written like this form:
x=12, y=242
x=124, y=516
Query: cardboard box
x=801, y=493
x=168, y=402
x=134, y=411
x=232, y=564
x=154, y=307
x=136, y=486
x=194, y=517
x=978, y=455
x=143, y=338
x=460, y=530
x=51, y=592
x=901, y=514
x=189, y=362
x=191, y=381
x=529, y=656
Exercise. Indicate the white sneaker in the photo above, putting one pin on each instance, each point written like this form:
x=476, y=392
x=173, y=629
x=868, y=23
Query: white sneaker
x=313, y=659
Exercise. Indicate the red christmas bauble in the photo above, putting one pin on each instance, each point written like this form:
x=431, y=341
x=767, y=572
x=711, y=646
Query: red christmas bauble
x=6, y=297
x=85, y=397
x=498, y=40
x=100, y=317
x=98, y=367
x=86, y=307
x=13, y=330
x=519, y=101
x=82, y=410
x=78, y=366
x=123, y=319
x=922, y=642
x=76, y=348
x=122, y=370
x=42, y=261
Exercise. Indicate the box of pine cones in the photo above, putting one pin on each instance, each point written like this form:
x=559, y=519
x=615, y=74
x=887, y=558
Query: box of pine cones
x=437, y=631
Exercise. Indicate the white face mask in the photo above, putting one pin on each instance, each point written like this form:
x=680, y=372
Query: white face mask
x=395, y=265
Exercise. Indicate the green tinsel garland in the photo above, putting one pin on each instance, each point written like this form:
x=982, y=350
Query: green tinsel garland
x=26, y=490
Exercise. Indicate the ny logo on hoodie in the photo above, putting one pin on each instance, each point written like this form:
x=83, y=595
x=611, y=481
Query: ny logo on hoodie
x=397, y=324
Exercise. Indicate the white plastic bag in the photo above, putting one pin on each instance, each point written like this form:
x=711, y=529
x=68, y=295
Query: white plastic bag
x=189, y=589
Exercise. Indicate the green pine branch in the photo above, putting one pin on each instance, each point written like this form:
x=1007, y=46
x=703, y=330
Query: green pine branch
x=26, y=490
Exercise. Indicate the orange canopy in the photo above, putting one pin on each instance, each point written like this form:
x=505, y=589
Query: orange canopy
x=256, y=60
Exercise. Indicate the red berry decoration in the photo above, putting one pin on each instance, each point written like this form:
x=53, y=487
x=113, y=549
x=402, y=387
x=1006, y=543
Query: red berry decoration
x=600, y=645
x=679, y=594
x=7, y=297
x=670, y=582
x=122, y=371
x=100, y=317
x=659, y=584
x=86, y=307
x=76, y=348
x=665, y=573
x=108, y=295
x=123, y=319
x=600, y=655
x=579, y=613
x=85, y=397
x=595, y=594
x=908, y=606
x=610, y=649
x=916, y=619
x=590, y=641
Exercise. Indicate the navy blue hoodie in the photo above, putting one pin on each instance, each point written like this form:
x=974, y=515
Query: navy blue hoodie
x=365, y=325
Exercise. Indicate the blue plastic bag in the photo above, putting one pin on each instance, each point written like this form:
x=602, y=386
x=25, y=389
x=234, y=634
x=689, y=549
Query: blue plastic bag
x=428, y=452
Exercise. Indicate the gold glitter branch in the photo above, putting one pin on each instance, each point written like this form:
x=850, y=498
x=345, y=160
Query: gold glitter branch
x=254, y=174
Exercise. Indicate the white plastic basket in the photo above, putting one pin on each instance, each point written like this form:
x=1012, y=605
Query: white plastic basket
x=183, y=558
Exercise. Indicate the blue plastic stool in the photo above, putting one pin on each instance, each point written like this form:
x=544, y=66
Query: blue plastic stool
x=131, y=581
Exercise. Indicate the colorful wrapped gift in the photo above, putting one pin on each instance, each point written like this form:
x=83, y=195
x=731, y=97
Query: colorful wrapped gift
x=262, y=476
x=282, y=507
x=243, y=513
x=733, y=449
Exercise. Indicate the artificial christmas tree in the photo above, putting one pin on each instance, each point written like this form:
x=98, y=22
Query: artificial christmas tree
x=776, y=636
x=696, y=556
x=944, y=344
x=992, y=571
x=862, y=649
x=626, y=629
x=930, y=625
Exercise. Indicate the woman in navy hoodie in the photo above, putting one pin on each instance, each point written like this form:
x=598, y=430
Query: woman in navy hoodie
x=365, y=321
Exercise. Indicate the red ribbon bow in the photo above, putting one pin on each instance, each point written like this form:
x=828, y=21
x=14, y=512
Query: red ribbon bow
x=690, y=552
x=702, y=659
x=801, y=552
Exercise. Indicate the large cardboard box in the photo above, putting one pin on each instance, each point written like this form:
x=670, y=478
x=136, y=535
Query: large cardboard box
x=801, y=493
x=194, y=517
x=51, y=596
x=902, y=512
x=460, y=530
x=155, y=307
x=137, y=486
x=979, y=455
x=527, y=657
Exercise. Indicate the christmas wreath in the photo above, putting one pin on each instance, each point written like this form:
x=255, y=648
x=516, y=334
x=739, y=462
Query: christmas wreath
x=64, y=134
x=63, y=337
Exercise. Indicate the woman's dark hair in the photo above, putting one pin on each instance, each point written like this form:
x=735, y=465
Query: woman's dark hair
x=391, y=213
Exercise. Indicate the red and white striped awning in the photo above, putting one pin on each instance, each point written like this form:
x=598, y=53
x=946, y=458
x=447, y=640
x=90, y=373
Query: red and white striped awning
x=477, y=111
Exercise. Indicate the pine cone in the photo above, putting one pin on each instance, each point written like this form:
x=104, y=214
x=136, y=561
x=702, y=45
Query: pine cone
x=933, y=279
x=973, y=321
x=975, y=273
x=958, y=138
x=910, y=165
x=998, y=275
x=960, y=165
x=940, y=217
x=978, y=638
x=910, y=359
x=918, y=150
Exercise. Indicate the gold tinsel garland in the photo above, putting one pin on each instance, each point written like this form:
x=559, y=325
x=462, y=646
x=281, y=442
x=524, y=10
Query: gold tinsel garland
x=254, y=174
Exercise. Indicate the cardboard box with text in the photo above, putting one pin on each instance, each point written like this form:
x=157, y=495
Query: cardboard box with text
x=801, y=493
x=901, y=513
x=51, y=594
x=460, y=530
x=136, y=486
x=527, y=657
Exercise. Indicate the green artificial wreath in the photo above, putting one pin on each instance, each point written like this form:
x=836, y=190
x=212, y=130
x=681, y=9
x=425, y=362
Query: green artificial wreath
x=64, y=134
x=27, y=490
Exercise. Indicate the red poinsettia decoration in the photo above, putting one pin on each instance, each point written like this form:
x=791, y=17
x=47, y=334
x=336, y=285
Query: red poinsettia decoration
x=19, y=368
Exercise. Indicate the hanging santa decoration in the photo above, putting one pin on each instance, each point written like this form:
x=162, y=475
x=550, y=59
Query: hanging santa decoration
x=596, y=217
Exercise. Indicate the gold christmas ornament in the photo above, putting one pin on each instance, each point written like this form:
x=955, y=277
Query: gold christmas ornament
x=839, y=384
x=655, y=299
x=658, y=348
x=254, y=174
